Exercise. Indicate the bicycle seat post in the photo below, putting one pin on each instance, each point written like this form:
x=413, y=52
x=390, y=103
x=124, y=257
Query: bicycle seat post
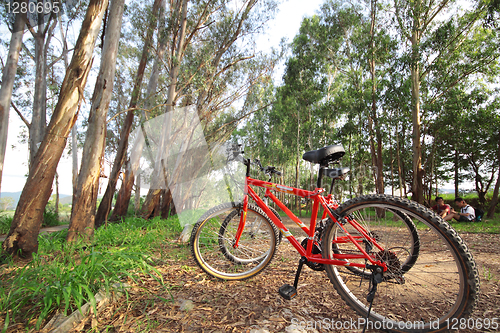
x=321, y=171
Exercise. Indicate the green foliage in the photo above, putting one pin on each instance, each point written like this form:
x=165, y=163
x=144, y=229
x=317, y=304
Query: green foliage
x=5, y=222
x=330, y=94
x=65, y=276
x=50, y=218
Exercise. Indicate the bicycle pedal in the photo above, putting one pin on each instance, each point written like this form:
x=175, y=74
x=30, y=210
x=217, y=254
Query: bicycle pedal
x=287, y=291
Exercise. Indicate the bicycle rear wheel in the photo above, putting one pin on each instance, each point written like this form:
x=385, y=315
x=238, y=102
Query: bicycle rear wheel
x=421, y=289
x=400, y=239
x=213, y=237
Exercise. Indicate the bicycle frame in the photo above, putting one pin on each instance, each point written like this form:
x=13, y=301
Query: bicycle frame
x=318, y=200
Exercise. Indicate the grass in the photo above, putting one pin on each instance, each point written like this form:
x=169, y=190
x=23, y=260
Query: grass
x=451, y=196
x=486, y=226
x=50, y=219
x=5, y=222
x=62, y=277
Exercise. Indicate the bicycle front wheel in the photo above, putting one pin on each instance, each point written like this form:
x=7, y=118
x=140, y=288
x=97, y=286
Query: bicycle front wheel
x=431, y=276
x=213, y=242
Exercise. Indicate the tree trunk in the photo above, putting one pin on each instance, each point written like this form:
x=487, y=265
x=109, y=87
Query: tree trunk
x=85, y=195
x=74, y=157
x=456, y=168
x=494, y=200
x=125, y=192
x=137, y=205
x=74, y=130
x=392, y=170
x=350, y=166
x=378, y=135
x=166, y=202
x=22, y=237
x=38, y=121
x=8, y=77
x=417, y=185
x=56, y=211
x=400, y=171
x=150, y=203
x=105, y=206
x=297, y=161
x=42, y=38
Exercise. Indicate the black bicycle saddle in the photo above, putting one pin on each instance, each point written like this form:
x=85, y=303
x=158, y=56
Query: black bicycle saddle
x=325, y=155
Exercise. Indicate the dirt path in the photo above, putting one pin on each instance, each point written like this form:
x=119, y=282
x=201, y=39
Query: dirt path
x=189, y=301
x=43, y=230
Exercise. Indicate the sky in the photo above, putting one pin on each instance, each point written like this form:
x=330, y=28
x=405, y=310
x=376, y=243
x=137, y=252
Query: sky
x=285, y=25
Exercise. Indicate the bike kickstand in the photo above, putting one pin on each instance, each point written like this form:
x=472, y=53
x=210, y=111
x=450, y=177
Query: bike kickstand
x=287, y=291
x=375, y=279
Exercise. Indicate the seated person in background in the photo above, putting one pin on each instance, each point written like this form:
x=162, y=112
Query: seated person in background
x=441, y=208
x=467, y=213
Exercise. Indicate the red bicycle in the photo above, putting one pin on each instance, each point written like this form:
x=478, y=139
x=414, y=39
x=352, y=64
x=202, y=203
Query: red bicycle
x=392, y=260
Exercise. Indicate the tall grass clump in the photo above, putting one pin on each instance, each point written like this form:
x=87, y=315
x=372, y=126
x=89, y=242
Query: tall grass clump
x=50, y=218
x=62, y=277
x=5, y=222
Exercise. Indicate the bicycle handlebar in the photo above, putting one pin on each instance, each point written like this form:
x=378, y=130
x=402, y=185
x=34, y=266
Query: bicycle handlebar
x=269, y=170
x=236, y=153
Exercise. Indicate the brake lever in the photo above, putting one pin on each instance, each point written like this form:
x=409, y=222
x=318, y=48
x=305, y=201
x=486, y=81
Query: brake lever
x=257, y=162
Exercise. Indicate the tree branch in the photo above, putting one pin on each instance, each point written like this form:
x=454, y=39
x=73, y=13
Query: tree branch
x=26, y=122
x=461, y=77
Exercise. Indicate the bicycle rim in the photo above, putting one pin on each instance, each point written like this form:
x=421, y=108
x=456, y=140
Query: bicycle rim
x=213, y=238
x=404, y=244
x=421, y=289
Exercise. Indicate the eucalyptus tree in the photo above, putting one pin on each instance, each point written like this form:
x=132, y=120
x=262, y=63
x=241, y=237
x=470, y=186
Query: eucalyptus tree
x=466, y=134
x=218, y=65
x=479, y=148
x=133, y=163
x=105, y=205
x=42, y=36
x=85, y=194
x=334, y=85
x=8, y=77
x=178, y=50
x=23, y=234
x=397, y=104
x=443, y=50
x=482, y=150
x=494, y=199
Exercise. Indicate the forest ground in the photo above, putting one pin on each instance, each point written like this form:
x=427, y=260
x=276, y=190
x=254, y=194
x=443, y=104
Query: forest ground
x=190, y=301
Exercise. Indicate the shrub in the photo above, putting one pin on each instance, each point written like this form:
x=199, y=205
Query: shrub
x=50, y=218
x=5, y=222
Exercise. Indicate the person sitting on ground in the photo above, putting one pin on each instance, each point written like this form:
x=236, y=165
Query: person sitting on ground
x=441, y=208
x=467, y=213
